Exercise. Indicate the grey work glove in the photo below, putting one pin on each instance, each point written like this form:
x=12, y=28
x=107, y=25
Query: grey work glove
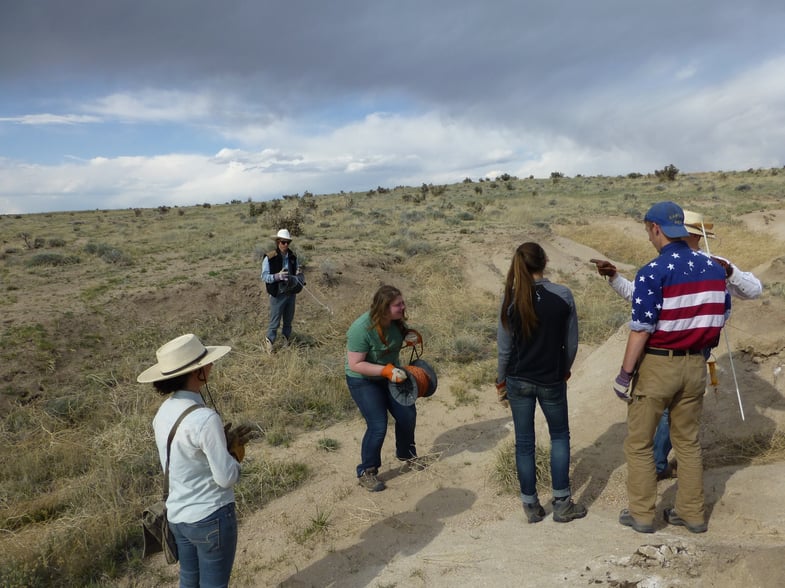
x=621, y=385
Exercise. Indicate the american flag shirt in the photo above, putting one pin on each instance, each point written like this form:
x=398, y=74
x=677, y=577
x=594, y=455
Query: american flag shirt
x=680, y=298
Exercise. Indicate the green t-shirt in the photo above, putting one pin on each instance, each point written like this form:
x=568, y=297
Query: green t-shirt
x=363, y=338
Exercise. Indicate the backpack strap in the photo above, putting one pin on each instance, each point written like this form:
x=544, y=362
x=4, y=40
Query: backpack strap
x=186, y=412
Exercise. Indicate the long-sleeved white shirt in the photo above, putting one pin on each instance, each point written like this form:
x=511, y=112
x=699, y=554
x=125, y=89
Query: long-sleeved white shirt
x=742, y=285
x=201, y=470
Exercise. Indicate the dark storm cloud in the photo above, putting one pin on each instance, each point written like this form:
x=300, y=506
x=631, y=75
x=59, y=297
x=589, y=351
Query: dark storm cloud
x=456, y=53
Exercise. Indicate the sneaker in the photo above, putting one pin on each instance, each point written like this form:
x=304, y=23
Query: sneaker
x=534, y=512
x=370, y=482
x=626, y=519
x=566, y=510
x=268, y=346
x=672, y=518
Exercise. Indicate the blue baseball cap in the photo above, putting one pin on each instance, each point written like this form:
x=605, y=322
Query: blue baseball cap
x=670, y=218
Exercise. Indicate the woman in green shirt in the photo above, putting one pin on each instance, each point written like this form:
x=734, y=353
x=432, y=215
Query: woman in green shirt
x=373, y=344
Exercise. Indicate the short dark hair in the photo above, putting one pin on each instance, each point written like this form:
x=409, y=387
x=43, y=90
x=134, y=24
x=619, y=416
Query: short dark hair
x=164, y=387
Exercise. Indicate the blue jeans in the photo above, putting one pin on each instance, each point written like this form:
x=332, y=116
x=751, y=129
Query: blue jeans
x=523, y=397
x=281, y=309
x=374, y=400
x=206, y=549
x=662, y=443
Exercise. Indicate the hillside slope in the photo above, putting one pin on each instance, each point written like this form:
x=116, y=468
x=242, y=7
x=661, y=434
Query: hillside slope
x=448, y=525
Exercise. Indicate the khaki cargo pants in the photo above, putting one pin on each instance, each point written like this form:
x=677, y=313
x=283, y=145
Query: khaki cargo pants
x=678, y=383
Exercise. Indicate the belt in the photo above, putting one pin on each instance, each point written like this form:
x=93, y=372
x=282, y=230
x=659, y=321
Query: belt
x=673, y=352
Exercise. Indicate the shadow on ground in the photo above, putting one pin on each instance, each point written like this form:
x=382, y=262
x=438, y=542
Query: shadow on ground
x=402, y=534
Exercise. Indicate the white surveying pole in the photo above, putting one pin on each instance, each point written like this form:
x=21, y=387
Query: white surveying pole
x=725, y=332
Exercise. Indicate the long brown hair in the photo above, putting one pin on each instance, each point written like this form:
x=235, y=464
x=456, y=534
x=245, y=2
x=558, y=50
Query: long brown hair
x=529, y=259
x=380, y=306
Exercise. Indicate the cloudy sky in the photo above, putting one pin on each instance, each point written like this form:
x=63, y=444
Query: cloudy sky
x=121, y=103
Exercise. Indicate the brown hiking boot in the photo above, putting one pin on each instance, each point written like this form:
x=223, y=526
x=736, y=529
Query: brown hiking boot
x=370, y=482
x=668, y=473
x=417, y=464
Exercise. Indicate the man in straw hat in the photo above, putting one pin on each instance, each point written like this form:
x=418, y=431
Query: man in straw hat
x=283, y=280
x=742, y=285
x=680, y=305
x=204, y=461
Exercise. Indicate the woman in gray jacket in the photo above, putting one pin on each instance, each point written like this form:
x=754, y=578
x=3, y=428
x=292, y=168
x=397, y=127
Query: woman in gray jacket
x=537, y=342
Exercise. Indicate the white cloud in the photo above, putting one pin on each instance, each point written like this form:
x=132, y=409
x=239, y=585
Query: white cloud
x=51, y=119
x=152, y=106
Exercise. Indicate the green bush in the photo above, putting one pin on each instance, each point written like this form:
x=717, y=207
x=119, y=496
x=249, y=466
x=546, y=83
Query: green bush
x=668, y=173
x=108, y=253
x=52, y=259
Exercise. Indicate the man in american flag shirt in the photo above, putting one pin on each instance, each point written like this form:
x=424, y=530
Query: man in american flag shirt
x=679, y=306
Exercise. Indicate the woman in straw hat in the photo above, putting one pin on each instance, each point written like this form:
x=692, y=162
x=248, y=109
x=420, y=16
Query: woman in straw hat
x=373, y=344
x=537, y=339
x=283, y=280
x=203, y=462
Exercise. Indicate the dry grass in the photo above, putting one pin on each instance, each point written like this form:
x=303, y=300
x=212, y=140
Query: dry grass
x=505, y=475
x=77, y=457
x=748, y=249
x=754, y=450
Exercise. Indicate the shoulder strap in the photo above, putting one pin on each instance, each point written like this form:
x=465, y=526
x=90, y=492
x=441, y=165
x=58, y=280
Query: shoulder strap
x=186, y=412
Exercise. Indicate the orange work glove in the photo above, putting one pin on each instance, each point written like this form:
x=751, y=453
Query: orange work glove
x=394, y=374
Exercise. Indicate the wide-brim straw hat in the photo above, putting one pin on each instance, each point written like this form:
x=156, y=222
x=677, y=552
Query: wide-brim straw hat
x=420, y=382
x=693, y=222
x=181, y=356
x=283, y=234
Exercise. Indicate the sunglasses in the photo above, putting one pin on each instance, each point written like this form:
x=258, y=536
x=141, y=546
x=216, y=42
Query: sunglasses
x=284, y=242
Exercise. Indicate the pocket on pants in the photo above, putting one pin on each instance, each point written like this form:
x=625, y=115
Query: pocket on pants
x=658, y=378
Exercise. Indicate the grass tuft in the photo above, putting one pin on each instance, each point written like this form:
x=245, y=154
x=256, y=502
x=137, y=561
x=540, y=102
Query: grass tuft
x=505, y=474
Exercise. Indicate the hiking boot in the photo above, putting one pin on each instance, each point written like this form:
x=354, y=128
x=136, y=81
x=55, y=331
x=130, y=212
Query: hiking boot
x=668, y=473
x=534, y=512
x=626, y=519
x=415, y=463
x=268, y=346
x=370, y=482
x=670, y=516
x=566, y=510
